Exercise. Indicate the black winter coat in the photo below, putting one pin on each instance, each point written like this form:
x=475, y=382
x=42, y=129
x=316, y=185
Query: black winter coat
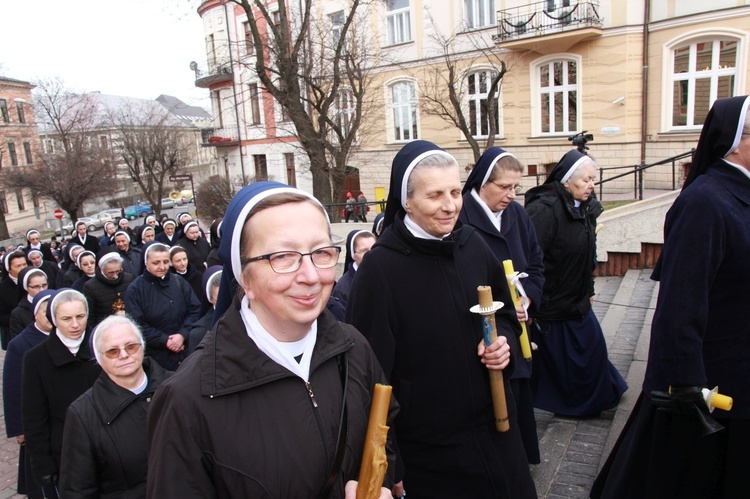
x=164, y=239
x=52, y=270
x=162, y=307
x=20, y=317
x=12, y=372
x=52, y=379
x=197, y=251
x=194, y=277
x=568, y=239
x=101, y=293
x=91, y=244
x=411, y=300
x=105, y=444
x=132, y=261
x=10, y=295
x=288, y=430
x=71, y=275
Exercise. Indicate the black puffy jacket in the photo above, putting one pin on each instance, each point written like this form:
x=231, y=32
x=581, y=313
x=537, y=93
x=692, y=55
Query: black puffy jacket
x=104, y=444
x=102, y=293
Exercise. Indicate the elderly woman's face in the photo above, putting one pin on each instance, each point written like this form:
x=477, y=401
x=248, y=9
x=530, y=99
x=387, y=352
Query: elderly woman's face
x=581, y=186
x=71, y=319
x=362, y=245
x=113, y=352
x=499, y=192
x=435, y=200
x=158, y=263
x=287, y=304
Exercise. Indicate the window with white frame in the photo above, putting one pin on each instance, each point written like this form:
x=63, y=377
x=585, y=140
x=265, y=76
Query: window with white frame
x=479, y=13
x=558, y=96
x=345, y=110
x=337, y=25
x=404, y=106
x=478, y=86
x=255, y=117
x=249, y=43
x=702, y=71
x=398, y=21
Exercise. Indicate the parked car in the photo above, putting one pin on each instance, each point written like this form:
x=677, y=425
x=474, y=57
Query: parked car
x=167, y=203
x=134, y=211
x=68, y=228
x=115, y=213
x=100, y=218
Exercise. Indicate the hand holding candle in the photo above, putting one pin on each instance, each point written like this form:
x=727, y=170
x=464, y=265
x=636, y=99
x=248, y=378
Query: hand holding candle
x=510, y=275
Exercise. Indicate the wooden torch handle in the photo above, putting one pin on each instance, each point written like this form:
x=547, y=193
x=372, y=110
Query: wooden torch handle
x=497, y=385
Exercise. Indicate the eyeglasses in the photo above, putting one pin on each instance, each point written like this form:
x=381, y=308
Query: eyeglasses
x=507, y=187
x=39, y=286
x=285, y=262
x=362, y=251
x=130, y=349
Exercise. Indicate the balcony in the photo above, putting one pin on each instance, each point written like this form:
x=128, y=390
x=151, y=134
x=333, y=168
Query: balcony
x=219, y=137
x=549, y=26
x=219, y=71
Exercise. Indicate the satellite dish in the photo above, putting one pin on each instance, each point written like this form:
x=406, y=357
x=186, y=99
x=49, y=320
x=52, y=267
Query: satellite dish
x=193, y=65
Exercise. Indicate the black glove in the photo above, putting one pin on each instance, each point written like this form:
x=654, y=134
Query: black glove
x=687, y=401
x=48, y=480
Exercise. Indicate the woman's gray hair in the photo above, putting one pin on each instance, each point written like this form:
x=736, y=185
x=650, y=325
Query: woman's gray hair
x=431, y=161
x=213, y=283
x=581, y=169
x=106, y=325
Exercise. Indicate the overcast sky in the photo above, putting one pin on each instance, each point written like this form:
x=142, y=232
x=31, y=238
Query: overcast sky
x=136, y=48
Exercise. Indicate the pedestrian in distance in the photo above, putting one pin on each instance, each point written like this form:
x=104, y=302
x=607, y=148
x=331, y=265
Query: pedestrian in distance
x=350, y=208
x=362, y=207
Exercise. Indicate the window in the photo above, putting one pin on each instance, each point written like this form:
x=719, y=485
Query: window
x=3, y=202
x=291, y=172
x=404, y=105
x=27, y=153
x=277, y=18
x=478, y=88
x=701, y=73
x=12, y=154
x=217, y=99
x=4, y=111
x=103, y=142
x=398, y=21
x=558, y=96
x=49, y=146
x=20, y=201
x=337, y=25
x=249, y=45
x=345, y=111
x=35, y=199
x=261, y=170
x=479, y=13
x=254, y=104
x=19, y=111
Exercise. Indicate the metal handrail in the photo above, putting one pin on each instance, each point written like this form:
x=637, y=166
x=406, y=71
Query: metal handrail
x=541, y=18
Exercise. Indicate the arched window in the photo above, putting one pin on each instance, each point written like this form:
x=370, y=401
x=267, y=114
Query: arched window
x=701, y=71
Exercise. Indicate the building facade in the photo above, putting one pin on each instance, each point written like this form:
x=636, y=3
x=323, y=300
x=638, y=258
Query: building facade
x=19, y=147
x=639, y=76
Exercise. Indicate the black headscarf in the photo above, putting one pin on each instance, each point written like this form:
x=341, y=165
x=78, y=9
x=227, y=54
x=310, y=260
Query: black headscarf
x=403, y=164
x=721, y=134
x=350, y=239
x=566, y=166
x=483, y=169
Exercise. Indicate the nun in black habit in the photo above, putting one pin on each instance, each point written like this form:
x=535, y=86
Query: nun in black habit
x=671, y=446
x=490, y=207
x=411, y=299
x=575, y=376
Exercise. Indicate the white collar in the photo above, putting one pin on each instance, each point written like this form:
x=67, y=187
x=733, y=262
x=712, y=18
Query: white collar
x=739, y=167
x=418, y=231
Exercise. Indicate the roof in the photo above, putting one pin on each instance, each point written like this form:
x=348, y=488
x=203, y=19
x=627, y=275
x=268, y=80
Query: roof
x=182, y=110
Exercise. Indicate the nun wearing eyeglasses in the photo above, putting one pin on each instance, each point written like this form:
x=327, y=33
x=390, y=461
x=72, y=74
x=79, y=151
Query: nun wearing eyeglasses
x=275, y=400
x=358, y=243
x=411, y=300
x=55, y=373
x=104, y=452
x=490, y=207
x=672, y=446
x=32, y=281
x=575, y=376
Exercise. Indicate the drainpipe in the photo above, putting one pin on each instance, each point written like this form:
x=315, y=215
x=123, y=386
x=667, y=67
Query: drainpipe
x=234, y=92
x=644, y=87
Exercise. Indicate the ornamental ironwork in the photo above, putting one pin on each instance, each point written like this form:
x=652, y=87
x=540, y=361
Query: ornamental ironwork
x=545, y=18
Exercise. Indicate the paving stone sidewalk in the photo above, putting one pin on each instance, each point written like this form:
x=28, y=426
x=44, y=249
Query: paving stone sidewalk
x=573, y=450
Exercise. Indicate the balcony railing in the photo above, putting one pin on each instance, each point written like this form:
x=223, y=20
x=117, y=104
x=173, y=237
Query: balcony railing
x=545, y=18
x=219, y=137
x=217, y=72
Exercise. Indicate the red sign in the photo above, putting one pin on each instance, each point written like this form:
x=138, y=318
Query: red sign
x=58, y=214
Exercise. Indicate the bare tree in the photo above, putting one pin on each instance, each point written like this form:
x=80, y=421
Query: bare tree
x=152, y=144
x=78, y=170
x=445, y=86
x=215, y=193
x=3, y=224
x=315, y=67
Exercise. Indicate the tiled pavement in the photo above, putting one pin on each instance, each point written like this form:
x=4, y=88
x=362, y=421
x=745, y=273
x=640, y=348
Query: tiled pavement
x=572, y=449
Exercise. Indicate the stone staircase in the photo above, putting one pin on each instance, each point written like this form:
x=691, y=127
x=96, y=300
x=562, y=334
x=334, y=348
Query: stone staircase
x=573, y=450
